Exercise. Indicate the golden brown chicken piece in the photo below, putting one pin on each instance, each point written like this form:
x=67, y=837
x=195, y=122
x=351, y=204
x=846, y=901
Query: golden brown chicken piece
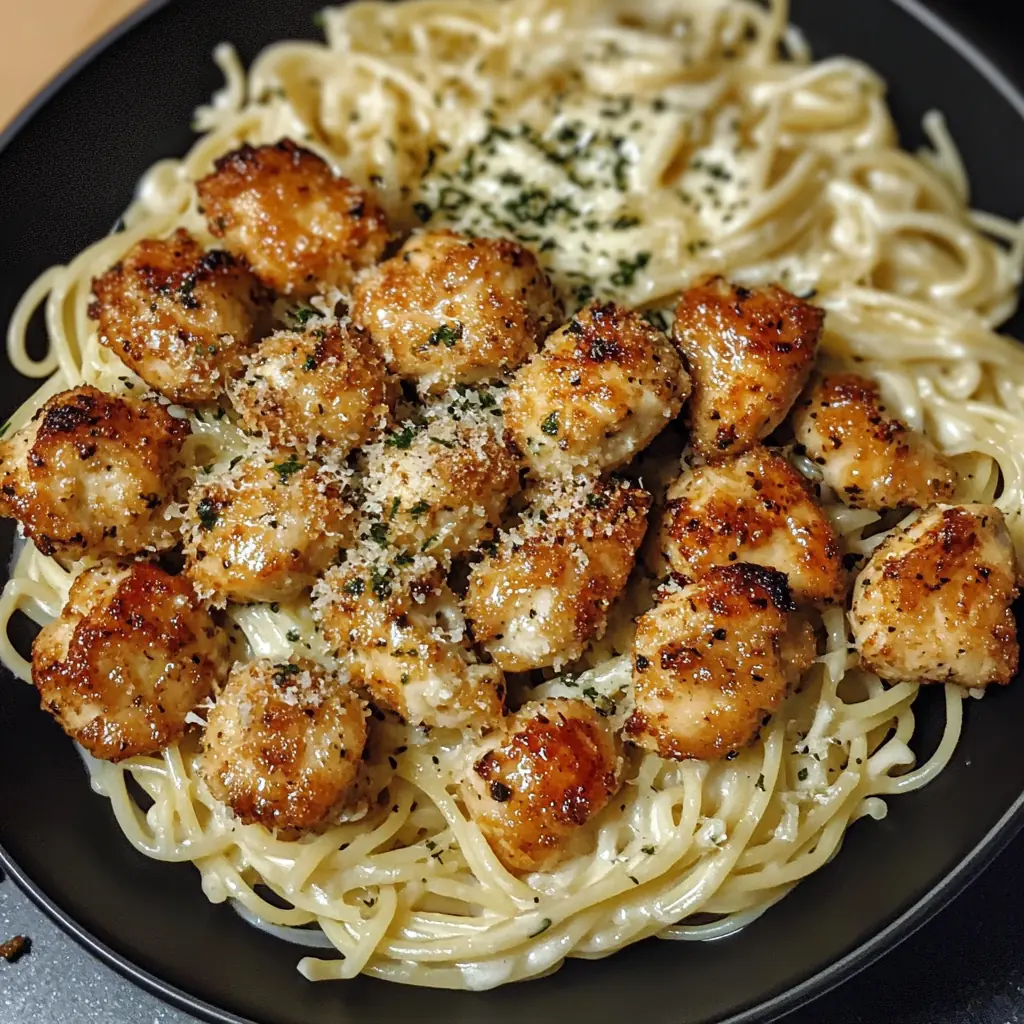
x=713, y=661
x=133, y=652
x=604, y=386
x=438, y=489
x=283, y=743
x=753, y=507
x=750, y=352
x=536, y=782
x=180, y=317
x=546, y=589
x=449, y=309
x=302, y=228
x=404, y=636
x=933, y=603
x=95, y=474
x=325, y=387
x=868, y=458
x=266, y=529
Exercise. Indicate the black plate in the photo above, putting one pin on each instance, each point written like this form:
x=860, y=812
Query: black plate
x=66, y=172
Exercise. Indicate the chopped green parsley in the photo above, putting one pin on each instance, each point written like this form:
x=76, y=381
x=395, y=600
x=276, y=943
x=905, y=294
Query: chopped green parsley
x=287, y=469
x=208, y=513
x=447, y=335
x=303, y=315
x=628, y=269
x=550, y=424
x=403, y=439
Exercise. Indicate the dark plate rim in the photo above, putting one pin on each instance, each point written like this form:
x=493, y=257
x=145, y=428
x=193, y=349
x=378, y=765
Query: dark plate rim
x=817, y=984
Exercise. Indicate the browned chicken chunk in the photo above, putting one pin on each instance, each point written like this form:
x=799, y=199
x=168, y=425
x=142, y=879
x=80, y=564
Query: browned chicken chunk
x=933, y=603
x=266, y=529
x=95, y=474
x=546, y=589
x=713, y=661
x=133, y=652
x=180, y=317
x=604, y=386
x=301, y=227
x=868, y=458
x=449, y=309
x=753, y=507
x=750, y=352
x=536, y=782
x=283, y=743
x=404, y=636
x=440, y=489
x=325, y=387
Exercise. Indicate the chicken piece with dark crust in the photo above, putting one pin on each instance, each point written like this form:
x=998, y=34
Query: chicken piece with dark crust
x=750, y=352
x=326, y=387
x=753, y=507
x=536, y=782
x=266, y=529
x=870, y=459
x=402, y=633
x=182, y=318
x=132, y=653
x=301, y=227
x=602, y=388
x=933, y=605
x=712, y=662
x=545, y=590
x=283, y=743
x=448, y=309
x=438, y=490
x=96, y=474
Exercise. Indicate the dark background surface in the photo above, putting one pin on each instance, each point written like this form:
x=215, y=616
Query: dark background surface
x=964, y=967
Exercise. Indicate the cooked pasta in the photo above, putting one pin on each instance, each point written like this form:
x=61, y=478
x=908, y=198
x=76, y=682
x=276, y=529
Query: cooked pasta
x=635, y=149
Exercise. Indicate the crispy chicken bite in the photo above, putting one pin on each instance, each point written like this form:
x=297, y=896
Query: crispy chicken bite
x=604, y=386
x=132, y=653
x=713, y=661
x=180, y=317
x=750, y=352
x=933, y=603
x=753, y=507
x=449, y=309
x=266, y=529
x=536, y=782
x=438, y=489
x=868, y=458
x=546, y=589
x=403, y=634
x=301, y=227
x=283, y=743
x=95, y=474
x=325, y=387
